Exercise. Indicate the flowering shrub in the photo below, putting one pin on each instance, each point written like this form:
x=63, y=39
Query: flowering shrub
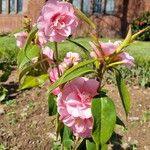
x=141, y=23
x=85, y=115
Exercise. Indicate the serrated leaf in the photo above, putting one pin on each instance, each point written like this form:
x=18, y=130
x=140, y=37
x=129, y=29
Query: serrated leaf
x=124, y=93
x=72, y=73
x=31, y=81
x=104, y=114
x=52, y=105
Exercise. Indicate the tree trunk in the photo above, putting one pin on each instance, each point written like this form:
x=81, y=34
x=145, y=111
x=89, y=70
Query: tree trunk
x=124, y=22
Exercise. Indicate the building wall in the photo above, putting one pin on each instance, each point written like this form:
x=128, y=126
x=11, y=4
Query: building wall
x=116, y=25
x=13, y=22
x=107, y=25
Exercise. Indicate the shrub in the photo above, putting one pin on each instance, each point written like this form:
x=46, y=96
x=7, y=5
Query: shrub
x=139, y=24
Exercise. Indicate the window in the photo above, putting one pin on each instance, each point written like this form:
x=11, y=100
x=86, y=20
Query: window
x=3, y=6
x=110, y=6
x=104, y=6
x=76, y=3
x=97, y=6
x=11, y=6
x=86, y=6
x=20, y=6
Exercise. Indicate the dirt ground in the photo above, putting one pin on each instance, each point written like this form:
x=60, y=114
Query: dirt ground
x=25, y=124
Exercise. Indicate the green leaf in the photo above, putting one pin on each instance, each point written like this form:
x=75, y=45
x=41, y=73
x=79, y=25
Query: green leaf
x=124, y=93
x=126, y=41
x=24, y=58
x=83, y=17
x=29, y=68
x=31, y=81
x=68, y=143
x=6, y=69
x=138, y=33
x=26, y=54
x=30, y=37
x=81, y=46
x=104, y=114
x=4, y=77
x=72, y=73
x=66, y=136
x=59, y=126
x=3, y=93
x=52, y=105
x=90, y=144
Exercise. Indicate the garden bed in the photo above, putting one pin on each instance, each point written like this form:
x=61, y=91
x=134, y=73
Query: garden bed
x=25, y=124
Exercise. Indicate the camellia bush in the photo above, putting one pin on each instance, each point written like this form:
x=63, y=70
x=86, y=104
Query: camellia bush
x=85, y=115
x=141, y=23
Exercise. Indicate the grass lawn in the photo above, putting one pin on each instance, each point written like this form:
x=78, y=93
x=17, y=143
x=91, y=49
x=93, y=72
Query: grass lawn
x=8, y=48
x=139, y=50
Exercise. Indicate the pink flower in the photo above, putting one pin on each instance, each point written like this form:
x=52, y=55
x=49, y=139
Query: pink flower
x=21, y=38
x=74, y=105
x=49, y=54
x=41, y=37
x=53, y=76
x=72, y=59
x=56, y=22
x=107, y=49
x=125, y=58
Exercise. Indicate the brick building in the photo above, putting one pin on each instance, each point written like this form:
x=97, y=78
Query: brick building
x=111, y=16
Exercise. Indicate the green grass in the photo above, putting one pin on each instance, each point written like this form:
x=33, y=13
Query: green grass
x=8, y=49
x=139, y=50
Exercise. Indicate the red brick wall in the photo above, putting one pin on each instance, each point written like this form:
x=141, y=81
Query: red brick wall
x=8, y=23
x=108, y=26
x=116, y=25
x=34, y=8
x=12, y=22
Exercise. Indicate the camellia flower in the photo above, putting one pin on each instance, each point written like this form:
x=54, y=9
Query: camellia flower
x=56, y=22
x=74, y=105
x=41, y=38
x=72, y=59
x=107, y=49
x=49, y=54
x=21, y=38
x=125, y=58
